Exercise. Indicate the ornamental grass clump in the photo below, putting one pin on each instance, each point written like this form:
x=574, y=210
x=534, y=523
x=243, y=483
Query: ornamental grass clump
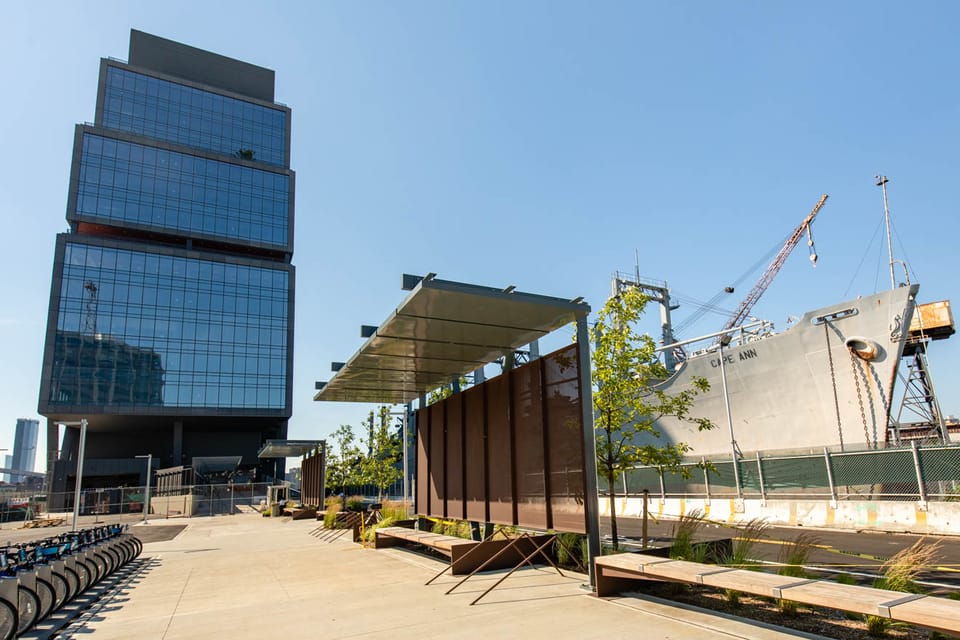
x=793, y=558
x=740, y=555
x=900, y=573
x=685, y=530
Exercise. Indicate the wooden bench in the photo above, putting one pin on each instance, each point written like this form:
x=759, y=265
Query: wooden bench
x=450, y=546
x=620, y=572
x=464, y=555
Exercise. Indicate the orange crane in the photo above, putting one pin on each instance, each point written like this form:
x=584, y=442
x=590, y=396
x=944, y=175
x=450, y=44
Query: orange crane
x=747, y=304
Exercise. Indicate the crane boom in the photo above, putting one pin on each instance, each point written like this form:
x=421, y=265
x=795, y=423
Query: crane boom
x=770, y=273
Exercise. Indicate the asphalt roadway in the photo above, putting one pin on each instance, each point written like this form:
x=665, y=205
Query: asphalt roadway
x=836, y=550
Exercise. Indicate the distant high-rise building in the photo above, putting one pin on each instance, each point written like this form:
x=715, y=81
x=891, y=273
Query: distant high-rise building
x=24, y=447
x=7, y=464
x=170, y=326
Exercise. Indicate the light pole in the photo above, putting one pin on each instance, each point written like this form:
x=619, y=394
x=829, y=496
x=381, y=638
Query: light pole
x=725, y=341
x=146, y=493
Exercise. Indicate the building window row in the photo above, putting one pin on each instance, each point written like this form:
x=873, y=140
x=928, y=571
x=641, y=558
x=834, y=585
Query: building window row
x=114, y=348
x=192, y=117
x=129, y=182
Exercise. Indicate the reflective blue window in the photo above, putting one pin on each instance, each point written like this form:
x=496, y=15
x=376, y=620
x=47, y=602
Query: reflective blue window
x=172, y=191
x=142, y=329
x=169, y=111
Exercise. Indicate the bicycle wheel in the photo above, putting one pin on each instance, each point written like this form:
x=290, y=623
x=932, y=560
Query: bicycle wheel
x=61, y=589
x=8, y=620
x=83, y=572
x=137, y=544
x=73, y=579
x=48, y=598
x=98, y=568
x=113, y=560
x=28, y=608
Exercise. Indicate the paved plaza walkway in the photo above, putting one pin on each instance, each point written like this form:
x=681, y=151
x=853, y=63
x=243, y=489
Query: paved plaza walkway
x=245, y=576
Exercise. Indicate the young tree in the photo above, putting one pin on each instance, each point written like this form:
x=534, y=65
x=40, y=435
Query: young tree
x=343, y=463
x=380, y=466
x=625, y=368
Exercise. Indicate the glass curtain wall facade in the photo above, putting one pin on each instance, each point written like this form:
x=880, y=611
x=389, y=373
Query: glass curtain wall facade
x=171, y=310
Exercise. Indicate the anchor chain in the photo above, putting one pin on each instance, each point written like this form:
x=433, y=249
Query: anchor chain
x=833, y=380
x=855, y=364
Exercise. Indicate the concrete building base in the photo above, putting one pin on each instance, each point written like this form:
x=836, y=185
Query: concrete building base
x=941, y=518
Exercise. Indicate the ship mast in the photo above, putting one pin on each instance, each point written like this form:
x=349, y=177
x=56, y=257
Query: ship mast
x=882, y=183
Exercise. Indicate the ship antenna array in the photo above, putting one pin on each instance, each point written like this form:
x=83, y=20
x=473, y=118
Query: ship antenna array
x=747, y=304
x=882, y=183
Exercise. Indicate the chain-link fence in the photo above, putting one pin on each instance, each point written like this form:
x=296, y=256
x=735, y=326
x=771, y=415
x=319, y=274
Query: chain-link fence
x=907, y=473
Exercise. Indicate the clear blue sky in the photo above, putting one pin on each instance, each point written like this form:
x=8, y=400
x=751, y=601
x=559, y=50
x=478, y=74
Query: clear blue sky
x=530, y=143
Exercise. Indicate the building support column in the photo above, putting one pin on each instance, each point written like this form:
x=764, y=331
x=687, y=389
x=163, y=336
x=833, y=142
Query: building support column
x=177, y=443
x=53, y=454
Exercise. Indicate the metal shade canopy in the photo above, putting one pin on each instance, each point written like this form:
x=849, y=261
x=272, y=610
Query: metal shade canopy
x=288, y=448
x=441, y=331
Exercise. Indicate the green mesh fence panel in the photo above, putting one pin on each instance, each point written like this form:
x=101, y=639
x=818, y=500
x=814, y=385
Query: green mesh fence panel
x=676, y=484
x=869, y=475
x=722, y=479
x=643, y=478
x=888, y=466
x=795, y=474
x=940, y=467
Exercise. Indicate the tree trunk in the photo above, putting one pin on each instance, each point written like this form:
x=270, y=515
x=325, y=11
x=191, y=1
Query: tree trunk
x=611, y=492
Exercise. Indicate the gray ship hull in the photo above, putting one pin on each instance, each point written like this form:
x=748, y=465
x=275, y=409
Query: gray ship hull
x=785, y=395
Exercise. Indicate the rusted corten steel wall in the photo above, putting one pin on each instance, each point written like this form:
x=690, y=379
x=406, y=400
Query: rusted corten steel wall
x=508, y=451
x=311, y=480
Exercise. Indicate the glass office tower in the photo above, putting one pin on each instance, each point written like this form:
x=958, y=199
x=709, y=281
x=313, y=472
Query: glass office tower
x=170, y=326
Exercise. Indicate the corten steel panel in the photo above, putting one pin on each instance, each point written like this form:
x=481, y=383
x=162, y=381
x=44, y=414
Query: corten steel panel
x=564, y=434
x=311, y=483
x=528, y=439
x=500, y=471
x=438, y=454
x=454, y=458
x=475, y=461
x=421, y=498
x=509, y=451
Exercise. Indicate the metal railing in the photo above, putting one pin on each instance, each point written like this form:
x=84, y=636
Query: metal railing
x=192, y=500
x=912, y=472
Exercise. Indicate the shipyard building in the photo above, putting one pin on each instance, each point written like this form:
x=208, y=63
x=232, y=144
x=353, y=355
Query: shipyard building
x=170, y=326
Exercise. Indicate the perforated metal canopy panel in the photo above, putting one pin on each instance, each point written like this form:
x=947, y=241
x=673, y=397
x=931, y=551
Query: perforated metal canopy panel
x=443, y=330
x=288, y=448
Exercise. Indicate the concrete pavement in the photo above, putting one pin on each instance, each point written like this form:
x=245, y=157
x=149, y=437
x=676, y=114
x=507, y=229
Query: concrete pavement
x=245, y=576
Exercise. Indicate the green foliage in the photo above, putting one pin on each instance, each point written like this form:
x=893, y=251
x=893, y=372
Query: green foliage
x=684, y=531
x=741, y=553
x=395, y=511
x=877, y=626
x=444, y=392
x=343, y=460
x=795, y=555
x=626, y=403
x=380, y=467
x=354, y=503
x=330, y=519
x=455, y=528
x=844, y=578
x=369, y=533
x=567, y=548
x=900, y=572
